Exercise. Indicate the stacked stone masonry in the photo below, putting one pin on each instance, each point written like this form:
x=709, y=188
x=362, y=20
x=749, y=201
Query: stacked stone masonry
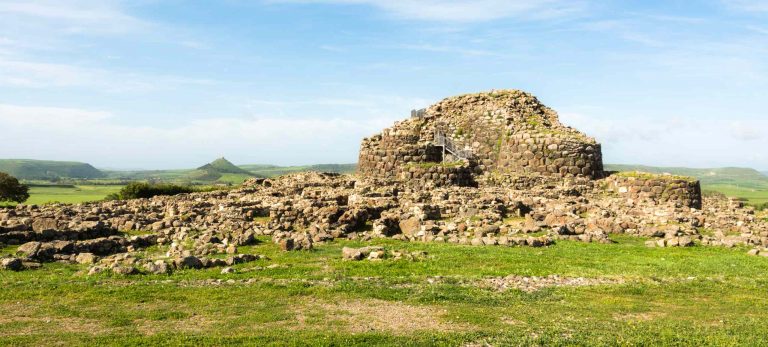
x=657, y=188
x=551, y=155
x=506, y=131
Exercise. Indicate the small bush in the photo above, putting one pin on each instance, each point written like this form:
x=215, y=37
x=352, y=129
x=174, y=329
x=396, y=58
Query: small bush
x=142, y=190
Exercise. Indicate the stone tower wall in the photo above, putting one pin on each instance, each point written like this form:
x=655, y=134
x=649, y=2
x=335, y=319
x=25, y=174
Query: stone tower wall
x=506, y=132
x=551, y=154
x=387, y=155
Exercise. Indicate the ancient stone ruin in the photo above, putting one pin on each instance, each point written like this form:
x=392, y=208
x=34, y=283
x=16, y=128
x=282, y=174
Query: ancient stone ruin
x=470, y=138
x=490, y=169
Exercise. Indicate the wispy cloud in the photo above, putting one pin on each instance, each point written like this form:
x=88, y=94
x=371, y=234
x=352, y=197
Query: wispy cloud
x=27, y=74
x=464, y=10
x=447, y=49
x=672, y=140
x=757, y=29
x=95, y=17
x=747, y=132
x=747, y=5
x=69, y=133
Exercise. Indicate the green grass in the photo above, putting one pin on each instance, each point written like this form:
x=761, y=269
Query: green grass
x=234, y=178
x=753, y=196
x=672, y=296
x=69, y=194
x=652, y=176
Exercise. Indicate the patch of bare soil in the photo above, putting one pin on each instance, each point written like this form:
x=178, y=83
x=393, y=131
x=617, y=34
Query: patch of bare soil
x=194, y=324
x=48, y=325
x=639, y=317
x=534, y=283
x=358, y=316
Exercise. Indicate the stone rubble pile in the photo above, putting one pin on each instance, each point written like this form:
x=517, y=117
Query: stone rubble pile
x=301, y=210
x=379, y=253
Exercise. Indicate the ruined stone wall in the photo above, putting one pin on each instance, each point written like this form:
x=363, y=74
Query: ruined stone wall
x=386, y=154
x=658, y=188
x=551, y=154
x=505, y=131
x=438, y=175
x=481, y=131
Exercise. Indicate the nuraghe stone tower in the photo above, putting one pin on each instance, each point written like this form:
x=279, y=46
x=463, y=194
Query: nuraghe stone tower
x=494, y=134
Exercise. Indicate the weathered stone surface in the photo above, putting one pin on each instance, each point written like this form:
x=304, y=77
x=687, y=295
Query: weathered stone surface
x=12, y=264
x=85, y=258
x=188, y=262
x=500, y=131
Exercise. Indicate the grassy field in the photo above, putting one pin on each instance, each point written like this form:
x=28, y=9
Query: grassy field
x=753, y=195
x=669, y=296
x=39, y=195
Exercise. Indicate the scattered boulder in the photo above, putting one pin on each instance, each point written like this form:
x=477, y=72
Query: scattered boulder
x=188, y=262
x=85, y=258
x=12, y=264
x=378, y=253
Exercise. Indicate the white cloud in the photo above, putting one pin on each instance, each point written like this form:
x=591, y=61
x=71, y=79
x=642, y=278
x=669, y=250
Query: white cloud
x=674, y=141
x=52, y=117
x=100, y=138
x=464, y=10
x=96, y=17
x=447, y=49
x=747, y=5
x=29, y=74
x=758, y=29
x=746, y=131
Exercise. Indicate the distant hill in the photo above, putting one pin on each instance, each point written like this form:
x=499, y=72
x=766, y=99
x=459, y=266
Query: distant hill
x=745, y=183
x=221, y=170
x=273, y=170
x=218, y=169
x=47, y=170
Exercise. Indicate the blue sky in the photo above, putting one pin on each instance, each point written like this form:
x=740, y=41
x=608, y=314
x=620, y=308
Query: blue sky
x=174, y=84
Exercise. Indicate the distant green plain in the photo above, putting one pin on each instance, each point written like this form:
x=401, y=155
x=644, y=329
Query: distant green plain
x=39, y=195
x=754, y=196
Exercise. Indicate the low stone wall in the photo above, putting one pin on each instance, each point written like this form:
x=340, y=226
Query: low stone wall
x=551, y=154
x=660, y=188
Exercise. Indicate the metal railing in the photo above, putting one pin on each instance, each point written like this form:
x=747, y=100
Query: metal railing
x=449, y=146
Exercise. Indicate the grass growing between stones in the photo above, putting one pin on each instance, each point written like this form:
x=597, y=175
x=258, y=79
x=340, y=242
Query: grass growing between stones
x=689, y=296
x=652, y=176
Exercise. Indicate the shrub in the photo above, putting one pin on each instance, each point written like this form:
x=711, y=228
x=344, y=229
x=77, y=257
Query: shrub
x=12, y=190
x=143, y=190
